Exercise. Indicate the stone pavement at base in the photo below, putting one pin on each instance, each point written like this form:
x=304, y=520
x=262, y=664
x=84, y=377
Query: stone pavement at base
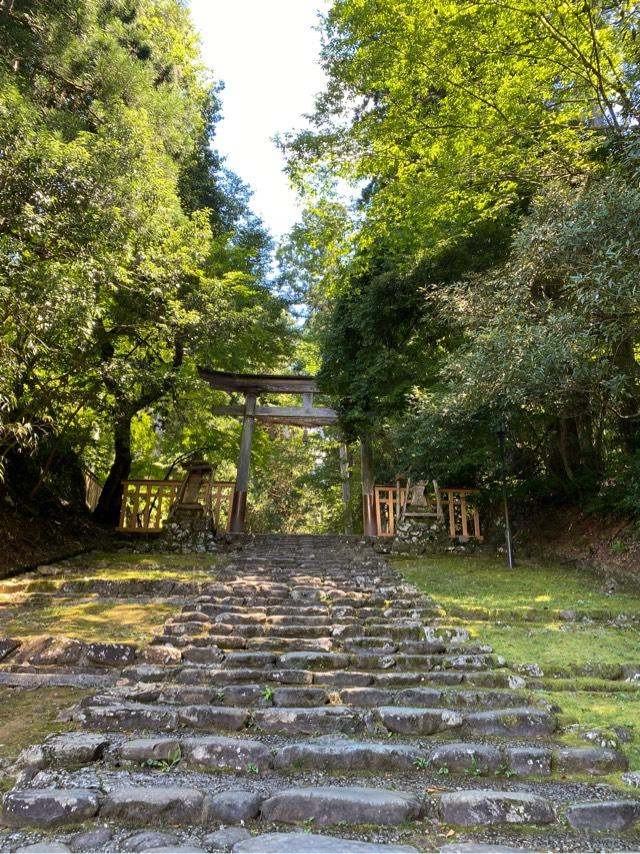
x=306, y=699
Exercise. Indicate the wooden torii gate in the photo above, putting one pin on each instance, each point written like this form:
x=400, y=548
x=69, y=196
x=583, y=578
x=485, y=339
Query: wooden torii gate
x=253, y=386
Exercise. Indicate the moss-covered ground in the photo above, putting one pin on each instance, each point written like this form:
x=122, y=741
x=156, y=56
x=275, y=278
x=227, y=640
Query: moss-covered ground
x=88, y=620
x=30, y=604
x=28, y=717
x=518, y=612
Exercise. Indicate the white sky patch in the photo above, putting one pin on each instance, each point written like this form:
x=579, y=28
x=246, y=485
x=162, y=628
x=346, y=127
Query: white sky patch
x=266, y=52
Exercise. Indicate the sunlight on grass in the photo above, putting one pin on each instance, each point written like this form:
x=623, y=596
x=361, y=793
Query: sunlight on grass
x=482, y=584
x=516, y=613
x=27, y=717
x=106, y=620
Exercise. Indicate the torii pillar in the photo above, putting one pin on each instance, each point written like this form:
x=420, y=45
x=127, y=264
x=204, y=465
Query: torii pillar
x=368, y=498
x=239, y=503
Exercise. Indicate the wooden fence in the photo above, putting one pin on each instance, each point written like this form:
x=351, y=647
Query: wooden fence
x=459, y=506
x=146, y=504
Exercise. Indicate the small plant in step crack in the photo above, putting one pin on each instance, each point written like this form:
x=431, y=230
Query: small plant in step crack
x=252, y=768
x=307, y=824
x=167, y=764
x=421, y=763
x=267, y=693
x=475, y=770
x=220, y=695
x=443, y=771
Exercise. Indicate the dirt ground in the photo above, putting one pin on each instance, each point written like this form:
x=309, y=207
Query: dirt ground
x=30, y=540
x=607, y=546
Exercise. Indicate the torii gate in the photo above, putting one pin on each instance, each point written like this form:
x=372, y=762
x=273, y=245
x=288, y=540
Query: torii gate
x=306, y=415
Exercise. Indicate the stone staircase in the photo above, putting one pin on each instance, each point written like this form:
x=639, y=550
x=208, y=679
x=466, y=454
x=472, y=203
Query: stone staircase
x=307, y=699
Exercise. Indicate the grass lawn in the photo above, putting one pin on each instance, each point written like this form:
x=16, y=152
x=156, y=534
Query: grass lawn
x=517, y=613
x=94, y=620
x=486, y=588
x=28, y=717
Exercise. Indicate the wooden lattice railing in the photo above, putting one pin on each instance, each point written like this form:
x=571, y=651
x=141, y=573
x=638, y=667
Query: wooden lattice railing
x=146, y=504
x=459, y=507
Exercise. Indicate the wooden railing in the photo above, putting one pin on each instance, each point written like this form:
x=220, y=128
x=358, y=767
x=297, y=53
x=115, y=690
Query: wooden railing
x=146, y=504
x=459, y=506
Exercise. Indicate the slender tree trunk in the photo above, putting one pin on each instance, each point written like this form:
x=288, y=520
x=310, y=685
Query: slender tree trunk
x=628, y=421
x=108, y=507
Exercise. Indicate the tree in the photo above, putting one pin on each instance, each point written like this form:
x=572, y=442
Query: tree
x=129, y=252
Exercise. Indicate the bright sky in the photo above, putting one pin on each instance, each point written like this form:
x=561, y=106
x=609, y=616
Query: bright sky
x=266, y=53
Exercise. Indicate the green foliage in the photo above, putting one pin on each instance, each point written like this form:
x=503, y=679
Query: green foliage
x=129, y=254
x=487, y=274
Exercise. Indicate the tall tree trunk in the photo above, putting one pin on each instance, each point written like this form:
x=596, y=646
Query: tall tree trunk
x=628, y=420
x=108, y=507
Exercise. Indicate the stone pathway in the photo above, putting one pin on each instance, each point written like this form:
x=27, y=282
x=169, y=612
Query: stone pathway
x=305, y=699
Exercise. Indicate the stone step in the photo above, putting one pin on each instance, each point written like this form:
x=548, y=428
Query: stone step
x=291, y=720
x=196, y=806
x=365, y=697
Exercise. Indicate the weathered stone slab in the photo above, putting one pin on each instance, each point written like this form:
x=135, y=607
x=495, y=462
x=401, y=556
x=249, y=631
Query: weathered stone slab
x=250, y=659
x=90, y=840
x=462, y=756
x=202, y=654
x=314, y=660
x=111, y=654
x=315, y=843
x=348, y=756
x=172, y=804
x=331, y=805
x=342, y=679
x=529, y=760
x=604, y=815
x=225, y=839
x=142, y=749
x=243, y=695
x=75, y=748
x=366, y=697
x=129, y=717
x=162, y=654
x=416, y=721
x=292, y=677
x=300, y=697
x=290, y=721
x=514, y=722
x=213, y=717
x=219, y=753
x=60, y=651
x=470, y=808
x=372, y=661
x=48, y=807
x=234, y=806
x=149, y=840
x=428, y=697
x=589, y=760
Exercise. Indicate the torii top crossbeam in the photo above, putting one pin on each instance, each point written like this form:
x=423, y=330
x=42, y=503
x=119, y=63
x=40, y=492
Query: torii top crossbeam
x=253, y=385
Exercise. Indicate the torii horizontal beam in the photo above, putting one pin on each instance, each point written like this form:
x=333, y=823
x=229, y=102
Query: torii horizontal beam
x=298, y=416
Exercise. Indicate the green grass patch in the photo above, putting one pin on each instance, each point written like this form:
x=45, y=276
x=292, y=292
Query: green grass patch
x=28, y=717
x=559, y=647
x=95, y=620
x=603, y=711
x=487, y=587
x=505, y=601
